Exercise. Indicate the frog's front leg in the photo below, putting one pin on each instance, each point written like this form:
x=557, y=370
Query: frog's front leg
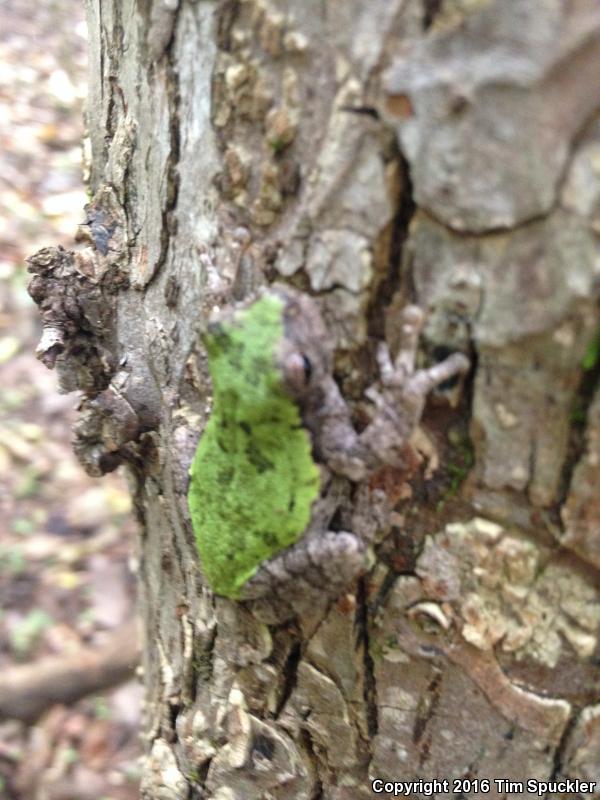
x=398, y=407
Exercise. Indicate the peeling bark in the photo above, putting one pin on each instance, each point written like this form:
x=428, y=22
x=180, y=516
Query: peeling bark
x=374, y=154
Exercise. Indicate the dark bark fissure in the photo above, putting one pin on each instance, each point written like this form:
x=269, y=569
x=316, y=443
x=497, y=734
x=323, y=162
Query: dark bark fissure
x=228, y=12
x=307, y=743
x=422, y=734
x=173, y=710
x=367, y=111
x=559, y=753
x=363, y=622
x=395, y=276
x=431, y=9
x=290, y=676
x=386, y=289
x=169, y=222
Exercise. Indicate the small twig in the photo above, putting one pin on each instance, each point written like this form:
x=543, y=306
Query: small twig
x=29, y=690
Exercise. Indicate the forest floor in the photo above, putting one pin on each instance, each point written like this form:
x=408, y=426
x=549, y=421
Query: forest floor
x=66, y=540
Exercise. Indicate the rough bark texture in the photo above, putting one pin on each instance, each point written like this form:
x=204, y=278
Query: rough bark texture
x=445, y=152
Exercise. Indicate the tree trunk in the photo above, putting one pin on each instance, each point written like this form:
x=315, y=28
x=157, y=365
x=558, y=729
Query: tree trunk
x=376, y=153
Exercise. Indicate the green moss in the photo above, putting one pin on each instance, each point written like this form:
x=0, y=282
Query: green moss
x=459, y=463
x=277, y=144
x=592, y=353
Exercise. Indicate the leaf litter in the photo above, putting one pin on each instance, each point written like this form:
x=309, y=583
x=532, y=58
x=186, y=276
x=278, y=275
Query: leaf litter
x=65, y=539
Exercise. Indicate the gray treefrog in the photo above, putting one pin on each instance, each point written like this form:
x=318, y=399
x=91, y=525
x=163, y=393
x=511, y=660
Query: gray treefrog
x=280, y=449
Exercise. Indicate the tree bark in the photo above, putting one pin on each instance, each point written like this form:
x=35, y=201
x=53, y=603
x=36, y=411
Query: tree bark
x=373, y=154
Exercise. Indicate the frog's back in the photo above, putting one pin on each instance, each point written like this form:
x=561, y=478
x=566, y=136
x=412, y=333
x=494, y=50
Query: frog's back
x=253, y=478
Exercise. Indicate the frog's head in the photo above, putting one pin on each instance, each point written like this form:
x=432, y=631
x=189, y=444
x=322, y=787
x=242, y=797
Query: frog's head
x=305, y=353
x=276, y=342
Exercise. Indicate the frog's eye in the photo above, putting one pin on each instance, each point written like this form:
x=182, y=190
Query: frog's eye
x=298, y=371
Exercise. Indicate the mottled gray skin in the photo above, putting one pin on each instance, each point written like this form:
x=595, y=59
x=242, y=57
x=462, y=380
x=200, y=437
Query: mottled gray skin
x=323, y=562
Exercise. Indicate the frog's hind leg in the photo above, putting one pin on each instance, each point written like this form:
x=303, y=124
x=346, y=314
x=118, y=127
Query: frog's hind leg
x=316, y=568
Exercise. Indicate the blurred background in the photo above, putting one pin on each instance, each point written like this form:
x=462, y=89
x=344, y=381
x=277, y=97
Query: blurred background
x=66, y=590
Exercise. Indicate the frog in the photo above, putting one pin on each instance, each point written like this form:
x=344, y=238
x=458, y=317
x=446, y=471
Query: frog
x=280, y=453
